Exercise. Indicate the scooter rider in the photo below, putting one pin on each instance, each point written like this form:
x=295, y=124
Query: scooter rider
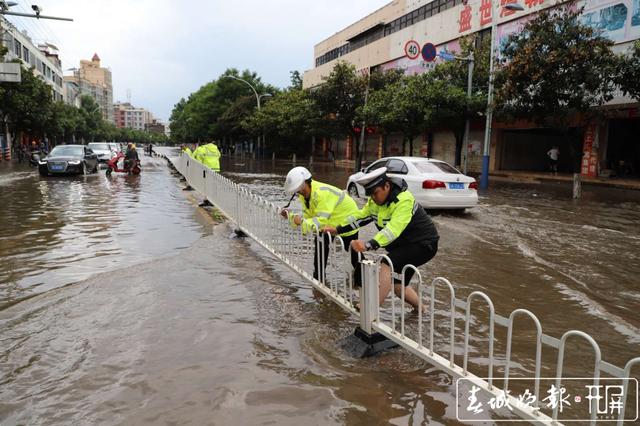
x=130, y=156
x=209, y=155
x=405, y=230
x=322, y=205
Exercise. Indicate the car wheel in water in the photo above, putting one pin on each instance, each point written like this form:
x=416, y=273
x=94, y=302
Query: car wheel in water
x=353, y=191
x=85, y=171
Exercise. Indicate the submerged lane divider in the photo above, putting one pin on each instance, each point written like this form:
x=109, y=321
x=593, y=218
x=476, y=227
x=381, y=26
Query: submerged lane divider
x=259, y=219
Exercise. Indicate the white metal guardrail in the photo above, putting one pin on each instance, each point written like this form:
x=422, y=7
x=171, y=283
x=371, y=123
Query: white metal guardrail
x=259, y=219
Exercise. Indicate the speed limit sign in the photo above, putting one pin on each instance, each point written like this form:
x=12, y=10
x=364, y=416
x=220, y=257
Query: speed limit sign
x=412, y=49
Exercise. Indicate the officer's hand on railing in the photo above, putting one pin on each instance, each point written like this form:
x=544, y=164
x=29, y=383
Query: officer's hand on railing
x=358, y=246
x=284, y=213
x=329, y=229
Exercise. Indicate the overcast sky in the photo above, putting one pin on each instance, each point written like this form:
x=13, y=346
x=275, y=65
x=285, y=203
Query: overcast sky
x=163, y=50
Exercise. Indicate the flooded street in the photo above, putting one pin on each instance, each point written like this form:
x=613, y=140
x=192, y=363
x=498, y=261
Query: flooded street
x=121, y=302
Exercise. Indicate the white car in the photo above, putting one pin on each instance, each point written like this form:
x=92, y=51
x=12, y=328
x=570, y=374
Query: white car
x=115, y=148
x=102, y=150
x=434, y=183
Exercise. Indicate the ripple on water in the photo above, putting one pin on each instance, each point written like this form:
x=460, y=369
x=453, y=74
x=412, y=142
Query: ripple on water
x=66, y=229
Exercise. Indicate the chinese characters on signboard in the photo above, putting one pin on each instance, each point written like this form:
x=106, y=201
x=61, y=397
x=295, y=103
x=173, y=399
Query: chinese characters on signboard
x=573, y=400
x=485, y=12
x=589, y=166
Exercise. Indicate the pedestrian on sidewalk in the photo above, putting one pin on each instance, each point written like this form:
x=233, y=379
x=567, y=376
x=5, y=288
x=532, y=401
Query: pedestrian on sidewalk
x=553, y=154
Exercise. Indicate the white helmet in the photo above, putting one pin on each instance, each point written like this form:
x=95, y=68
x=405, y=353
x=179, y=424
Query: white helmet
x=295, y=179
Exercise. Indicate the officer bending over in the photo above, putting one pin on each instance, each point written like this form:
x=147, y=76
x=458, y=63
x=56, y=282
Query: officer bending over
x=405, y=230
x=322, y=204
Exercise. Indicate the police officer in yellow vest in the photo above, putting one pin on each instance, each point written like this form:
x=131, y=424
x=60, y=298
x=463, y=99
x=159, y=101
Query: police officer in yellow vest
x=322, y=205
x=209, y=155
x=405, y=230
x=185, y=148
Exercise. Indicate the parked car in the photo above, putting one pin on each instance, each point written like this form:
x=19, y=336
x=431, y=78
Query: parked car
x=69, y=159
x=435, y=184
x=102, y=150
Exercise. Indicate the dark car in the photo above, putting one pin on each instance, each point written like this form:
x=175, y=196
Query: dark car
x=69, y=159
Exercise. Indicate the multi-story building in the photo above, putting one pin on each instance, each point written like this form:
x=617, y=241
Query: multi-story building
x=93, y=80
x=128, y=116
x=43, y=58
x=392, y=37
x=156, y=126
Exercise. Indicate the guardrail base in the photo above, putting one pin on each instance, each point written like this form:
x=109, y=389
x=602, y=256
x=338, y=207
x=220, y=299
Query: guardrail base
x=239, y=233
x=205, y=203
x=361, y=344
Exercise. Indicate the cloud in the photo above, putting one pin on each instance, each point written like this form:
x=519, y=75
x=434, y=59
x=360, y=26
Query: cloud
x=163, y=50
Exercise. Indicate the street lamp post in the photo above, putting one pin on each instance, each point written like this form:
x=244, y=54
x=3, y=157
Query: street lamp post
x=484, y=177
x=255, y=92
x=5, y=5
x=447, y=56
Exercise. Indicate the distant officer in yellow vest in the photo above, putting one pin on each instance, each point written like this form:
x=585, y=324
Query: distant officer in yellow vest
x=209, y=155
x=322, y=204
x=185, y=148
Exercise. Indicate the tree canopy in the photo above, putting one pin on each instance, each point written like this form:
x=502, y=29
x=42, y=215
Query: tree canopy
x=554, y=68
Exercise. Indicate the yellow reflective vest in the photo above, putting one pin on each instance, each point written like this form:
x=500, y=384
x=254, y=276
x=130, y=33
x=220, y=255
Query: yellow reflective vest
x=400, y=220
x=209, y=155
x=188, y=151
x=327, y=205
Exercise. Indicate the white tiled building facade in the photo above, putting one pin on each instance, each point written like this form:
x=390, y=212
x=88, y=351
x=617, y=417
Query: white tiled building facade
x=43, y=58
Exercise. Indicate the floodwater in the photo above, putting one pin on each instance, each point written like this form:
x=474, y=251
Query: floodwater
x=121, y=302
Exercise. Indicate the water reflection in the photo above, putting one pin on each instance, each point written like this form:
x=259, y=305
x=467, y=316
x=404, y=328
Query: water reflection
x=59, y=230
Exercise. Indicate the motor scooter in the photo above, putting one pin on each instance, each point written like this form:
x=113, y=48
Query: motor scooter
x=112, y=166
x=34, y=158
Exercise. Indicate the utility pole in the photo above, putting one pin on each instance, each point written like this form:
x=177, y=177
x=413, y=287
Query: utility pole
x=465, y=144
x=364, y=126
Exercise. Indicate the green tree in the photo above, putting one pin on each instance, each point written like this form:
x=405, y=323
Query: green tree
x=202, y=115
x=554, y=68
x=455, y=74
x=63, y=123
x=296, y=80
x=291, y=118
x=629, y=75
x=91, y=118
x=25, y=106
x=339, y=98
x=400, y=106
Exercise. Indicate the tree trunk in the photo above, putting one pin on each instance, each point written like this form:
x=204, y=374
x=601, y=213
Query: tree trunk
x=459, y=136
x=356, y=146
x=313, y=149
x=411, y=146
x=385, y=139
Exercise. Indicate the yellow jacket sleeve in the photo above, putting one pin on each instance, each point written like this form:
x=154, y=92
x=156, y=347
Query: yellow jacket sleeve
x=400, y=218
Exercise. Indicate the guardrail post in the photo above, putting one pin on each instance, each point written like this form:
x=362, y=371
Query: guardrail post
x=367, y=301
x=363, y=343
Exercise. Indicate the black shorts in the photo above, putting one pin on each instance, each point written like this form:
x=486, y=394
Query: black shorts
x=411, y=254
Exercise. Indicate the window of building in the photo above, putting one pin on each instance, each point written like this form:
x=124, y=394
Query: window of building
x=411, y=18
x=17, y=49
x=8, y=42
x=25, y=54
